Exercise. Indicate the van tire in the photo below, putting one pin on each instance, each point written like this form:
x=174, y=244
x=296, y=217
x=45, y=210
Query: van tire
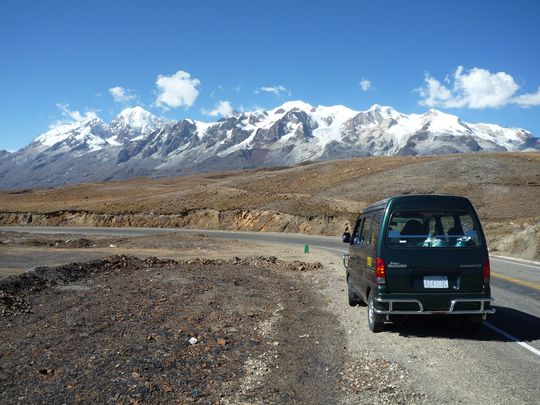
x=354, y=300
x=375, y=322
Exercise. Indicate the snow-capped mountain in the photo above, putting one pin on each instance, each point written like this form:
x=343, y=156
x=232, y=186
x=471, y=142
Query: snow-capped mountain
x=89, y=135
x=133, y=124
x=139, y=143
x=4, y=153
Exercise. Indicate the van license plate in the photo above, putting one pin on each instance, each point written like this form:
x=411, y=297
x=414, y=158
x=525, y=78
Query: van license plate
x=435, y=282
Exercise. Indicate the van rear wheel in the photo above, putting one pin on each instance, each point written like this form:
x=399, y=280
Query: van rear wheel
x=375, y=322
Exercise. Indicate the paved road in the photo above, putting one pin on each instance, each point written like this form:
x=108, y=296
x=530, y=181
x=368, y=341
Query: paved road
x=506, y=352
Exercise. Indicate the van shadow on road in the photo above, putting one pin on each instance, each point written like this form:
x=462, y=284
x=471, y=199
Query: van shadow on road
x=523, y=326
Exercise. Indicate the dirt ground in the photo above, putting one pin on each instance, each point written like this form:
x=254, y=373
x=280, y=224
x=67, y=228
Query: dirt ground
x=20, y=252
x=127, y=330
x=114, y=327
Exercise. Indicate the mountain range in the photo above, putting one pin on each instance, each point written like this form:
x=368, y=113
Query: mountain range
x=137, y=143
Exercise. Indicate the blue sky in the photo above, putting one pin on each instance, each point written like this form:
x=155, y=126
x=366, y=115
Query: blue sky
x=63, y=60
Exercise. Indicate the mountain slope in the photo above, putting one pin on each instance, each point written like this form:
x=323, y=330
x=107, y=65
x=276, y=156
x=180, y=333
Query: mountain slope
x=138, y=143
x=133, y=124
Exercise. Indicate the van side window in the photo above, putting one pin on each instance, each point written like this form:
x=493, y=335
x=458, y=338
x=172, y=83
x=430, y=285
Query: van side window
x=365, y=230
x=357, y=235
x=375, y=229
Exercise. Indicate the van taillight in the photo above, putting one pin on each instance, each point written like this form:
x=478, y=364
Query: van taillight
x=486, y=271
x=380, y=274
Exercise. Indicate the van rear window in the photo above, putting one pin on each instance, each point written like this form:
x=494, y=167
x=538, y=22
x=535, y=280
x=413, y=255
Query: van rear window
x=432, y=229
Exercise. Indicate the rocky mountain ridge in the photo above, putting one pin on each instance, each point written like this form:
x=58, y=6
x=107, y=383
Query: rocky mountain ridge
x=137, y=143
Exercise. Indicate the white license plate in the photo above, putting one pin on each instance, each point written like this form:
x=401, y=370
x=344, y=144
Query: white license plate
x=435, y=282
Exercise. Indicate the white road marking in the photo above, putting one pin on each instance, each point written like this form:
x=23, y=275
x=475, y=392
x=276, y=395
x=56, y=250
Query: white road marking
x=512, y=338
x=517, y=259
x=515, y=263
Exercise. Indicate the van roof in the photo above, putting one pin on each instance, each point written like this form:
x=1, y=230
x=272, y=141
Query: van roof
x=417, y=201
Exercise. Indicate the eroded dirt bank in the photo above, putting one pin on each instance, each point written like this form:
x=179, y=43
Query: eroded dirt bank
x=233, y=220
x=129, y=330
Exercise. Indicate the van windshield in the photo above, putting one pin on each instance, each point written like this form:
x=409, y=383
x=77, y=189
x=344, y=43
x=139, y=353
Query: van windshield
x=432, y=229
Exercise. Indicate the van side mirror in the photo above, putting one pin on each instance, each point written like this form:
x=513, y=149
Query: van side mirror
x=346, y=238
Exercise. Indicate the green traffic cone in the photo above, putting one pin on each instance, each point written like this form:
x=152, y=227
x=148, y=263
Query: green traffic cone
x=306, y=248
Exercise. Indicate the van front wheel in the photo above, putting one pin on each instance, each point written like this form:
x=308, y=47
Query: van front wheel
x=375, y=322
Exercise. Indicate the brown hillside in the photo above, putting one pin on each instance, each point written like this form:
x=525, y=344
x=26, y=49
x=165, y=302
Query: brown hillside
x=310, y=198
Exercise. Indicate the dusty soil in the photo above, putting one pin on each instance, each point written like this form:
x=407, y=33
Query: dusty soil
x=58, y=334
x=128, y=330
x=318, y=198
x=166, y=241
x=20, y=252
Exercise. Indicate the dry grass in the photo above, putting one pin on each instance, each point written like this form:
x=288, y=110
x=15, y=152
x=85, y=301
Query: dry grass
x=503, y=187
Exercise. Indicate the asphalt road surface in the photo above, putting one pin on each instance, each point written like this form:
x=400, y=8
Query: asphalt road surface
x=499, y=365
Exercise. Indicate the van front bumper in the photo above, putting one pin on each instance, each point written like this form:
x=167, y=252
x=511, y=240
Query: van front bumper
x=414, y=306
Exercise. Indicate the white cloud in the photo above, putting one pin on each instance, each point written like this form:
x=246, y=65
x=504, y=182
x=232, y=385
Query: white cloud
x=213, y=93
x=223, y=108
x=434, y=93
x=71, y=116
x=121, y=95
x=481, y=89
x=365, y=84
x=477, y=88
x=527, y=100
x=178, y=90
x=278, y=90
x=253, y=108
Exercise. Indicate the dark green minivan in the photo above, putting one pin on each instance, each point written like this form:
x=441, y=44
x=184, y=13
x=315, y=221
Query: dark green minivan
x=419, y=255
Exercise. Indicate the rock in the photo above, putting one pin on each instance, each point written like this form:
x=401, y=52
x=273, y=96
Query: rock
x=192, y=340
x=166, y=388
x=46, y=371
